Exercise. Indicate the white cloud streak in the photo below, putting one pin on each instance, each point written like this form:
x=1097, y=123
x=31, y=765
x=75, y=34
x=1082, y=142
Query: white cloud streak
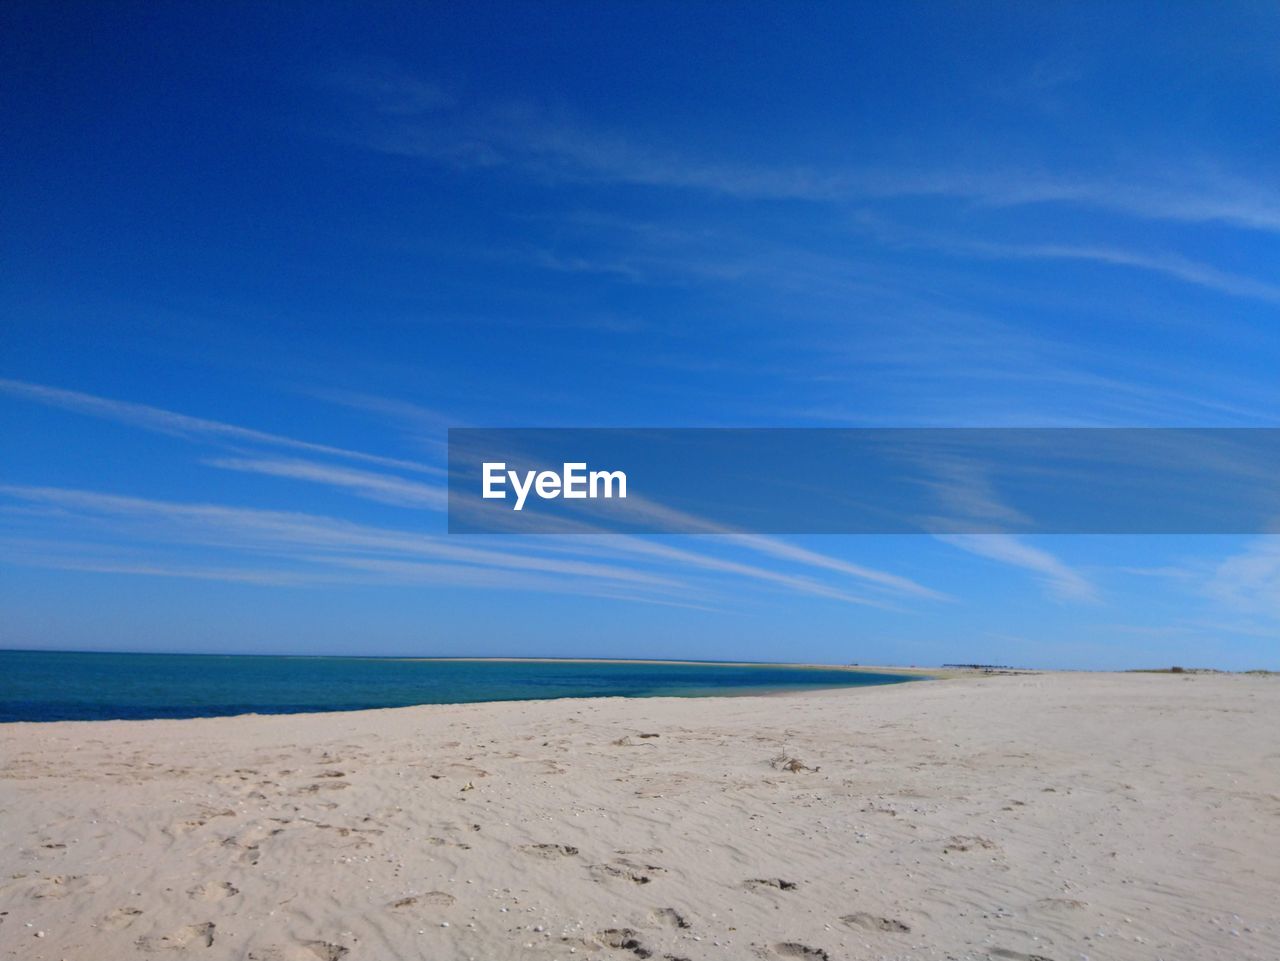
x=285, y=532
x=1061, y=581
x=668, y=518
x=566, y=564
x=384, y=488
x=181, y=425
x=223, y=526
x=1166, y=264
x=1249, y=582
x=528, y=137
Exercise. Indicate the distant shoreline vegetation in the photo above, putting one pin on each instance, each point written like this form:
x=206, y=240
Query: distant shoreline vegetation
x=1199, y=670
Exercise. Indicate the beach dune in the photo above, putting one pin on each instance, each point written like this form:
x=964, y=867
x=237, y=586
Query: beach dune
x=1023, y=817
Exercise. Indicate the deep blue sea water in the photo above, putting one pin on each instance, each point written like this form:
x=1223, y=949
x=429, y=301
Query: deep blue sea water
x=42, y=686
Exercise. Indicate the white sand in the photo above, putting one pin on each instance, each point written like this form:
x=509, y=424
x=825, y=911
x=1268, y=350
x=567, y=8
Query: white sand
x=1049, y=816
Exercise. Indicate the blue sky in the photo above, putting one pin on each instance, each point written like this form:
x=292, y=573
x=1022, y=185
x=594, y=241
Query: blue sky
x=256, y=260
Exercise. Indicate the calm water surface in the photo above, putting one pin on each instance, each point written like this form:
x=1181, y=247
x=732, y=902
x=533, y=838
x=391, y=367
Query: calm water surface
x=40, y=686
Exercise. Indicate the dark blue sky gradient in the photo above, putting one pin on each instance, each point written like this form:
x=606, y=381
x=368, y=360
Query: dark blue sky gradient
x=349, y=227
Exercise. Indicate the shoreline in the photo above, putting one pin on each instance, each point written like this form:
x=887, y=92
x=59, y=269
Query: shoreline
x=238, y=689
x=587, y=698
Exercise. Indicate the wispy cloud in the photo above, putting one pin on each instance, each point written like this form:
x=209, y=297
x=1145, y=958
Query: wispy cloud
x=1164, y=263
x=965, y=491
x=1170, y=265
x=791, y=582
x=291, y=533
x=791, y=552
x=1189, y=196
x=391, y=91
x=68, y=555
x=182, y=425
x=426, y=427
x=285, y=532
x=1248, y=582
x=782, y=550
x=666, y=518
x=1235, y=594
x=315, y=569
x=259, y=577
x=577, y=564
x=384, y=488
x=546, y=143
x=1061, y=580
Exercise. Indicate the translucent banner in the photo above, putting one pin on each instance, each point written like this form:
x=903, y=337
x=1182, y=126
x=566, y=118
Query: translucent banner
x=865, y=481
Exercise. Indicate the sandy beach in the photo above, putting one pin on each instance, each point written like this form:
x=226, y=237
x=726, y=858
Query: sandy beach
x=1045, y=816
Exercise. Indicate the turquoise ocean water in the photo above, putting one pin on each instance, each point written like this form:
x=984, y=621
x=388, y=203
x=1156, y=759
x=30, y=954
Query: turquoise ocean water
x=43, y=686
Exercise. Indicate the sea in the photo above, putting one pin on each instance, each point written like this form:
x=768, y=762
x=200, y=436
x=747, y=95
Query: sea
x=74, y=686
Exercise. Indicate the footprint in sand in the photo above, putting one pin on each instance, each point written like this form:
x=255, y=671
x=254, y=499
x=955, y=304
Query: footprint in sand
x=199, y=821
x=440, y=899
x=213, y=891
x=626, y=741
x=873, y=922
x=444, y=842
x=345, y=832
x=550, y=850
x=248, y=853
x=792, y=765
x=121, y=918
x=318, y=786
x=624, y=939
x=249, y=840
x=60, y=885
x=794, y=949
x=542, y=766
x=960, y=843
x=669, y=916
x=778, y=883
x=187, y=936
x=627, y=870
x=326, y=950
x=468, y=771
